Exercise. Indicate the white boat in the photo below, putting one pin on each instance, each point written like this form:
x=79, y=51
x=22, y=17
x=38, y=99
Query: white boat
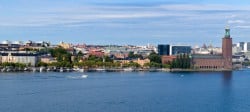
x=41, y=69
x=128, y=69
x=84, y=76
x=3, y=70
x=48, y=69
x=101, y=69
x=78, y=69
x=34, y=69
x=61, y=70
x=81, y=70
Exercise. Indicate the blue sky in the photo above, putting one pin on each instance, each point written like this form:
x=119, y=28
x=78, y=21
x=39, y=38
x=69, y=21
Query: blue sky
x=124, y=21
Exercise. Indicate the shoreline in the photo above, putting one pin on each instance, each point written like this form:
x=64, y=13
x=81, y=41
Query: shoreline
x=54, y=69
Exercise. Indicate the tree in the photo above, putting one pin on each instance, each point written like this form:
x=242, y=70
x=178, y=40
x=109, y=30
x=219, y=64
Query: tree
x=182, y=61
x=153, y=57
x=131, y=55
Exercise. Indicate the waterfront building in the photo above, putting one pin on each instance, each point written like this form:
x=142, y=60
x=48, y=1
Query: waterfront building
x=167, y=59
x=216, y=61
x=141, y=62
x=24, y=58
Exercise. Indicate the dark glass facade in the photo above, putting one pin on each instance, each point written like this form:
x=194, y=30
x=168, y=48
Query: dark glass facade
x=163, y=49
x=180, y=50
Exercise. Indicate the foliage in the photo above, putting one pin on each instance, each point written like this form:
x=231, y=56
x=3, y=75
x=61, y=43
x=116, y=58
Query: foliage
x=182, y=61
x=19, y=65
x=246, y=63
x=153, y=65
x=131, y=55
x=153, y=57
x=41, y=64
x=61, y=64
x=61, y=54
x=132, y=64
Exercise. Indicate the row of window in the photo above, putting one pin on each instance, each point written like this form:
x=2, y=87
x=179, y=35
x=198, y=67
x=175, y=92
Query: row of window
x=210, y=67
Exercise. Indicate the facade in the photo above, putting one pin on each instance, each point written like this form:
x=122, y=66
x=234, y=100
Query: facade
x=173, y=49
x=141, y=62
x=164, y=49
x=24, y=58
x=211, y=61
x=201, y=61
x=65, y=45
x=180, y=49
x=244, y=46
x=9, y=46
x=47, y=59
x=227, y=45
x=167, y=59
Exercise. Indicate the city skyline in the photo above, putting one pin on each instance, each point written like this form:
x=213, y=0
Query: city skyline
x=119, y=22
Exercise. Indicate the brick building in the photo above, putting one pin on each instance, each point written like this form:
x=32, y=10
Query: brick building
x=222, y=61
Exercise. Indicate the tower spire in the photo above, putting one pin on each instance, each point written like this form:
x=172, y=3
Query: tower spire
x=227, y=32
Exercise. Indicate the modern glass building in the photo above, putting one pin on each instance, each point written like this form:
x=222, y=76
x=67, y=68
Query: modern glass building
x=163, y=49
x=174, y=50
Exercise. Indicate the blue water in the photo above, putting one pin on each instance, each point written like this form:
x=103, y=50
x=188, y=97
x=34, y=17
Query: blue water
x=125, y=92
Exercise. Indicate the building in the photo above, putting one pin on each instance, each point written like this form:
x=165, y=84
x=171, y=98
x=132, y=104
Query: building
x=219, y=61
x=24, y=58
x=47, y=59
x=180, y=49
x=163, y=49
x=167, y=59
x=9, y=46
x=173, y=49
x=65, y=45
x=141, y=62
x=227, y=45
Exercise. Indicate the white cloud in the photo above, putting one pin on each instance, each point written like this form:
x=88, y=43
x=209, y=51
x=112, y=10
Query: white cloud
x=243, y=27
x=91, y=14
x=203, y=7
x=236, y=21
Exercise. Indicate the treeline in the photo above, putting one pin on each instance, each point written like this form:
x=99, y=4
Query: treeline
x=15, y=65
x=182, y=61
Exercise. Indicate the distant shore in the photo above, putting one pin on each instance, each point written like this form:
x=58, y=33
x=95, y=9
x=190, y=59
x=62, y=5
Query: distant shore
x=61, y=69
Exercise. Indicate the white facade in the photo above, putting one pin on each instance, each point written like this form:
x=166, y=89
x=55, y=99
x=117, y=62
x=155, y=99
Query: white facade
x=25, y=59
x=245, y=46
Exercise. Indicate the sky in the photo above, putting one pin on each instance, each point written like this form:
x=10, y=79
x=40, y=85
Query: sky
x=137, y=22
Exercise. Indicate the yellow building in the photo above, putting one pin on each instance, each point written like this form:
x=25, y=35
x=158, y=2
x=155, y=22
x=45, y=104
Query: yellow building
x=65, y=45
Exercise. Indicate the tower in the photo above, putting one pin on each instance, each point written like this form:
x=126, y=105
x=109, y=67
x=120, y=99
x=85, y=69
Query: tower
x=227, y=49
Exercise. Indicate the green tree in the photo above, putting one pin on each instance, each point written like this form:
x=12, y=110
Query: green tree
x=153, y=57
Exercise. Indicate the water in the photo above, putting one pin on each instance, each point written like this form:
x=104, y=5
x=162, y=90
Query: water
x=125, y=92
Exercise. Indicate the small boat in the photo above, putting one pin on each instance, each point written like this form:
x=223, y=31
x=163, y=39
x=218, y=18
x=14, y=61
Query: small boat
x=61, y=70
x=3, y=70
x=128, y=69
x=41, y=69
x=81, y=70
x=48, y=69
x=100, y=69
x=84, y=76
x=34, y=69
